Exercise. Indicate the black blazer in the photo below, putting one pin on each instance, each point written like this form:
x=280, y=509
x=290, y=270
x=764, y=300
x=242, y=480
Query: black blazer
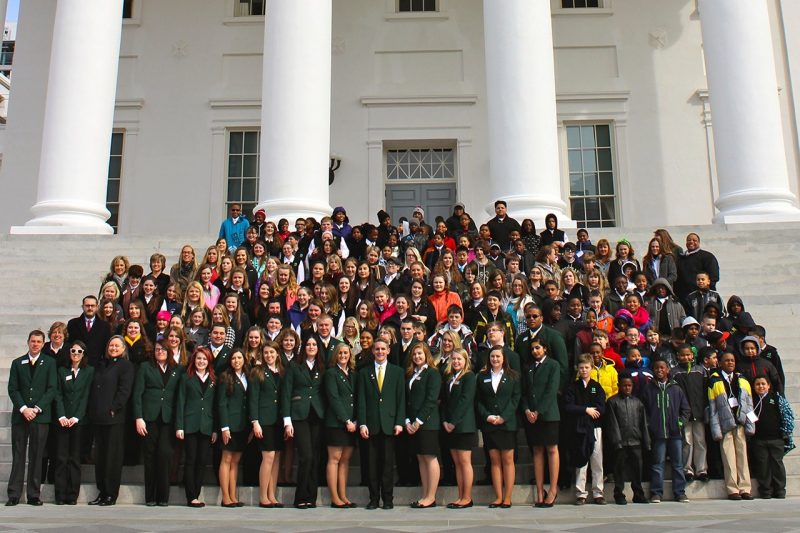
x=95, y=340
x=73, y=393
x=111, y=389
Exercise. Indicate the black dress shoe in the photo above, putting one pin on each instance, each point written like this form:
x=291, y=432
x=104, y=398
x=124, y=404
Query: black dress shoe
x=196, y=505
x=228, y=505
x=417, y=505
x=96, y=501
x=60, y=502
x=388, y=506
x=12, y=502
x=163, y=504
x=352, y=505
x=150, y=504
x=72, y=502
x=34, y=501
x=266, y=505
x=494, y=505
x=107, y=501
x=337, y=506
x=277, y=505
x=370, y=506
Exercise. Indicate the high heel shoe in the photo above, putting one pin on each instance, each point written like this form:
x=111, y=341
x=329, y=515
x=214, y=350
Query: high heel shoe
x=547, y=504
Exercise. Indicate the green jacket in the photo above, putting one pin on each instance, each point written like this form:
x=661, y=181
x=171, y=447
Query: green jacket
x=382, y=410
x=73, y=394
x=328, y=352
x=422, y=399
x=263, y=396
x=151, y=396
x=340, y=391
x=558, y=351
x=504, y=402
x=221, y=360
x=458, y=403
x=511, y=355
x=232, y=406
x=37, y=390
x=301, y=390
x=195, y=407
x=540, y=390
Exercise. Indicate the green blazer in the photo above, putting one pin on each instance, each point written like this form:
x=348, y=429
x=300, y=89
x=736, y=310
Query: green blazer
x=301, y=390
x=540, y=390
x=73, y=394
x=232, y=407
x=510, y=355
x=328, y=352
x=380, y=411
x=504, y=402
x=263, y=396
x=558, y=351
x=37, y=390
x=340, y=391
x=151, y=396
x=195, y=407
x=221, y=360
x=422, y=399
x=458, y=403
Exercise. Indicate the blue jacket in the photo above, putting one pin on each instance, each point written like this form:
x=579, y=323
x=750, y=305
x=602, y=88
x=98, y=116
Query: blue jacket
x=667, y=409
x=234, y=233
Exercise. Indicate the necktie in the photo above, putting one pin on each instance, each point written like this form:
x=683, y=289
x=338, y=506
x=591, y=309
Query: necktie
x=88, y=325
x=380, y=378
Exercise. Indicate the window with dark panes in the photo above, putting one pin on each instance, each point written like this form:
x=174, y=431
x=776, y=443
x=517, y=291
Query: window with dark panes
x=569, y=4
x=591, y=175
x=410, y=6
x=114, y=179
x=250, y=8
x=127, y=9
x=243, y=169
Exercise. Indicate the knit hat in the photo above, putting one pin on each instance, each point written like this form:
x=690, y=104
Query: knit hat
x=164, y=315
x=688, y=321
x=261, y=212
x=419, y=210
x=382, y=216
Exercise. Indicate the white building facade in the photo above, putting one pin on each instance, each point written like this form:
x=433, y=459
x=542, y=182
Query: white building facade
x=597, y=110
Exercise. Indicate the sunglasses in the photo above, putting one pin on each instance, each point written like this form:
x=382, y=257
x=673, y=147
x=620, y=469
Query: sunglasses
x=75, y=350
x=532, y=316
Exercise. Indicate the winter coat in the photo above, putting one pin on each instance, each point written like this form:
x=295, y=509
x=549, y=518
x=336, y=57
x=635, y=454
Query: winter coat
x=722, y=418
x=667, y=409
x=626, y=422
x=693, y=382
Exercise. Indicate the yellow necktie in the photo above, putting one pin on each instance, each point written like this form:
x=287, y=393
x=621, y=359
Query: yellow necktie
x=380, y=378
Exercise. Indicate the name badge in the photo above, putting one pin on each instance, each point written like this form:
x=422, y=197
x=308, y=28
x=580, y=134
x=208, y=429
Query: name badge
x=733, y=402
x=24, y=361
x=67, y=378
x=752, y=417
x=487, y=380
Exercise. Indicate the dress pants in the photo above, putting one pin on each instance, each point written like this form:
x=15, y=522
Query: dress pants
x=307, y=444
x=694, y=448
x=197, y=453
x=767, y=456
x=109, y=440
x=158, y=446
x=381, y=467
x=628, y=465
x=406, y=460
x=596, y=464
x=68, y=463
x=734, y=461
x=27, y=438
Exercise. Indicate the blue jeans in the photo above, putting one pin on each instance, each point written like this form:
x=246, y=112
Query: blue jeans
x=660, y=449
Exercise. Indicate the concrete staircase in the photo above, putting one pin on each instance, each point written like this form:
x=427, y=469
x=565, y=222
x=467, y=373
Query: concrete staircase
x=45, y=278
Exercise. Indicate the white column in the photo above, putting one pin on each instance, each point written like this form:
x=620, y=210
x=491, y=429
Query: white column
x=743, y=89
x=521, y=100
x=296, y=109
x=3, y=13
x=79, y=117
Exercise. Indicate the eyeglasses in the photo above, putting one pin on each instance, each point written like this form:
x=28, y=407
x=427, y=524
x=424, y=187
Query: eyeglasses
x=160, y=349
x=75, y=350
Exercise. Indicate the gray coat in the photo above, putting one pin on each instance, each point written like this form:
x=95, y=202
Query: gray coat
x=722, y=419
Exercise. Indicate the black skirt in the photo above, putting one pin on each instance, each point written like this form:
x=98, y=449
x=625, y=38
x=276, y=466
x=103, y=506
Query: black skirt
x=425, y=442
x=339, y=437
x=500, y=439
x=462, y=441
x=542, y=433
x=238, y=442
x=273, y=438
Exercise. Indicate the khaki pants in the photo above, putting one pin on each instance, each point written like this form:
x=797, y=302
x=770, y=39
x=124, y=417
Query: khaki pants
x=734, y=461
x=694, y=448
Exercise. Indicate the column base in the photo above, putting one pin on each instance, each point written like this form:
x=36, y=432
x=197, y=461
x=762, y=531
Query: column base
x=757, y=206
x=536, y=208
x=294, y=208
x=61, y=218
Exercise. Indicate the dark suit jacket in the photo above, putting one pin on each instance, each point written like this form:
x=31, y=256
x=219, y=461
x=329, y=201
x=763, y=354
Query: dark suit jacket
x=32, y=389
x=458, y=403
x=263, y=396
x=95, y=340
x=504, y=402
x=301, y=390
x=381, y=410
x=152, y=397
x=111, y=389
x=232, y=407
x=73, y=394
x=557, y=350
x=195, y=408
x=221, y=359
x=422, y=399
x=340, y=391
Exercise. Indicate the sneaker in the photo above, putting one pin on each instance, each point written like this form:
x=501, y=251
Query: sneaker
x=620, y=500
x=600, y=500
x=580, y=501
x=689, y=477
x=655, y=498
x=702, y=476
x=682, y=499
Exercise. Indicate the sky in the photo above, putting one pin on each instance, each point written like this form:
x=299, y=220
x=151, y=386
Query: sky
x=13, y=10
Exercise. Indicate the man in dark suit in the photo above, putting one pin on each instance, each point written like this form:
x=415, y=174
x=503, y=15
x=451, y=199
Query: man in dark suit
x=502, y=225
x=32, y=388
x=327, y=340
x=216, y=343
x=381, y=413
x=88, y=328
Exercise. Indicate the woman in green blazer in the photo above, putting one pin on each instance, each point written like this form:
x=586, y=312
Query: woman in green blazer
x=303, y=409
x=424, y=385
x=234, y=424
x=263, y=395
x=154, y=394
x=458, y=421
x=340, y=421
x=194, y=420
x=498, y=393
x=539, y=404
x=74, y=384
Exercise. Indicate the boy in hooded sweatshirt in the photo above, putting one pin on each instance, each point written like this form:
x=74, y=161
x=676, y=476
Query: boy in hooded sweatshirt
x=667, y=411
x=697, y=300
x=751, y=365
x=692, y=379
x=769, y=352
